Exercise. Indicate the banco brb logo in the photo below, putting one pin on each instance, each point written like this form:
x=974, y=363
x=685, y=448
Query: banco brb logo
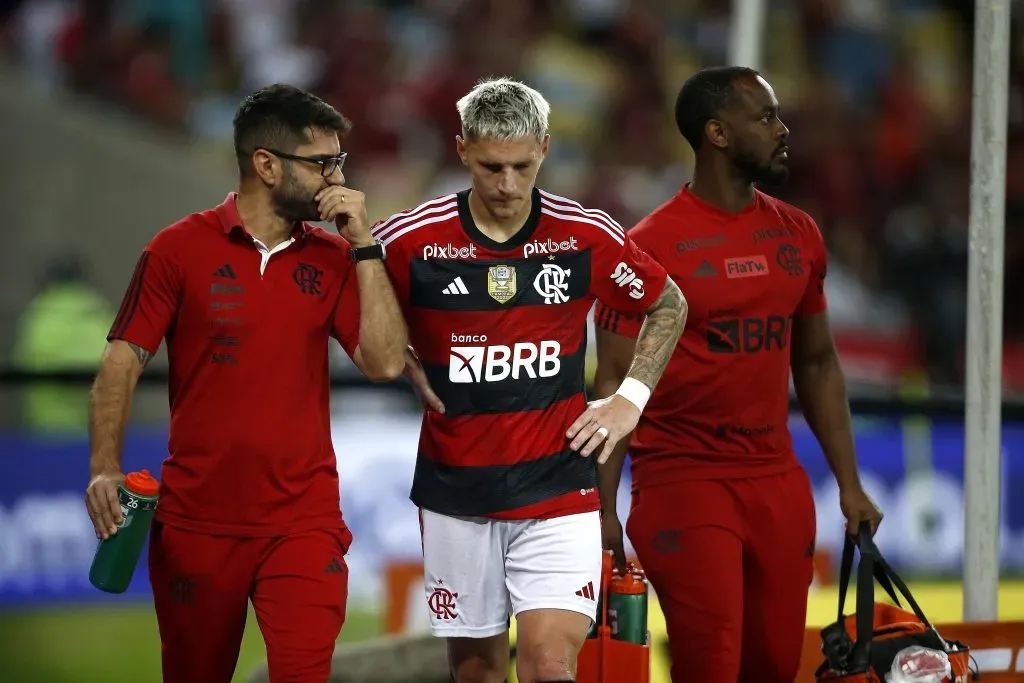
x=523, y=360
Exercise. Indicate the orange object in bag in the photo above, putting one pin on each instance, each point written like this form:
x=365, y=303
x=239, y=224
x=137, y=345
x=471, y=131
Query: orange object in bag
x=604, y=659
x=861, y=648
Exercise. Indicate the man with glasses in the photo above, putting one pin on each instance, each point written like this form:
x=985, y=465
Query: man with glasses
x=246, y=295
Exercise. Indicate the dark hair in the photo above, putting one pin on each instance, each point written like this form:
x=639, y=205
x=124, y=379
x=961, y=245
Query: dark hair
x=279, y=117
x=703, y=96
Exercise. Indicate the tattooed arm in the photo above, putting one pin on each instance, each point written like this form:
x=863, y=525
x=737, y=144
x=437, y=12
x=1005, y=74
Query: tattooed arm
x=616, y=355
x=150, y=304
x=609, y=420
x=148, y=309
x=109, y=406
x=110, y=403
x=666, y=319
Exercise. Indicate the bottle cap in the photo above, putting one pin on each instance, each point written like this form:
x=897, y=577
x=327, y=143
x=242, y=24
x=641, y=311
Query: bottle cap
x=142, y=483
x=629, y=584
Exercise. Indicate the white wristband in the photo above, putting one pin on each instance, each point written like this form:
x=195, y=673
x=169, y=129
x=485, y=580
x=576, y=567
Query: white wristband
x=634, y=391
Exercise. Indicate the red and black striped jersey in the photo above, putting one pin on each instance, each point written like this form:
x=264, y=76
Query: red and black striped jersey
x=501, y=330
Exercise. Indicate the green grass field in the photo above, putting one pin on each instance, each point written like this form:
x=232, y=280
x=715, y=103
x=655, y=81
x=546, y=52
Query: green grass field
x=103, y=645
x=107, y=644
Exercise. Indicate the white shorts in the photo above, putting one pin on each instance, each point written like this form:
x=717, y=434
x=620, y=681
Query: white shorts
x=478, y=571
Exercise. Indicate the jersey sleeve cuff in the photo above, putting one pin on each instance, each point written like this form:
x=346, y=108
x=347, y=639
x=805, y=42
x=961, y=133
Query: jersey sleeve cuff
x=135, y=340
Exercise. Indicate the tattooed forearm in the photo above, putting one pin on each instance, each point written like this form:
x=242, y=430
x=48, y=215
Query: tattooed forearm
x=658, y=337
x=110, y=404
x=142, y=354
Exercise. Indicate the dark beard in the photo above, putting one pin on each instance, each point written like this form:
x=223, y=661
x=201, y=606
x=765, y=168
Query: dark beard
x=293, y=203
x=754, y=171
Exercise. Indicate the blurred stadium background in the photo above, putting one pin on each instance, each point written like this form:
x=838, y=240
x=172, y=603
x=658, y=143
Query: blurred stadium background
x=117, y=121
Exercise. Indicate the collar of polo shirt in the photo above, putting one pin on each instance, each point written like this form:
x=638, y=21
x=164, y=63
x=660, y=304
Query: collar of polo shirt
x=227, y=215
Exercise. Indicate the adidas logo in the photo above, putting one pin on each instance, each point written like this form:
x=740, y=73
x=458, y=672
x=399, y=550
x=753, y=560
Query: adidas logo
x=587, y=591
x=456, y=287
x=334, y=567
x=705, y=269
x=225, y=271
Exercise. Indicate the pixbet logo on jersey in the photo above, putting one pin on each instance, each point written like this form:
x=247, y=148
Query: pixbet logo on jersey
x=624, y=275
x=493, y=363
x=449, y=251
x=549, y=246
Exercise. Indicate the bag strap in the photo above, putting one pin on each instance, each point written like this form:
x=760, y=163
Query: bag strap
x=873, y=567
x=887, y=569
x=846, y=573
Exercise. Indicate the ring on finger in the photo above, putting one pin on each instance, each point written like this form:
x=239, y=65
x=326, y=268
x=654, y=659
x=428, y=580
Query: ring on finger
x=603, y=431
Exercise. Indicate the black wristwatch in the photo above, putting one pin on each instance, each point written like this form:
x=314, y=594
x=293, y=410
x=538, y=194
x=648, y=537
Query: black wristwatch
x=374, y=251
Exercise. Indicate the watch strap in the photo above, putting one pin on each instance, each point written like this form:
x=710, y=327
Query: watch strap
x=374, y=251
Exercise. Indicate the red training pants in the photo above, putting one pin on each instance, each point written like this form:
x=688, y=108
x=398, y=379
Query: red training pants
x=202, y=584
x=731, y=561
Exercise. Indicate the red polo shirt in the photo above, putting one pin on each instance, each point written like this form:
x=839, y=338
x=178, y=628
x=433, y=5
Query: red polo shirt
x=250, y=450
x=721, y=410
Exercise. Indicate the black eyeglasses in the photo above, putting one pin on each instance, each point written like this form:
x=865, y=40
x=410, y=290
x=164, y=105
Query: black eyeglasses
x=327, y=165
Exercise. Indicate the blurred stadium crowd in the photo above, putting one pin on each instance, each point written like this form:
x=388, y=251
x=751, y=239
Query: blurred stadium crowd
x=876, y=93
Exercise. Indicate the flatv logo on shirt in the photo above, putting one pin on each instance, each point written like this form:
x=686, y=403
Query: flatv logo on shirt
x=308, y=278
x=746, y=266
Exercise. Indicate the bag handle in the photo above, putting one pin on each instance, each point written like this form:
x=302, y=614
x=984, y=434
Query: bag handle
x=872, y=567
x=846, y=570
x=903, y=589
x=865, y=615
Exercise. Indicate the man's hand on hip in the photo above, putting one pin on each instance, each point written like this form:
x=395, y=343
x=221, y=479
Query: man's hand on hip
x=418, y=377
x=604, y=423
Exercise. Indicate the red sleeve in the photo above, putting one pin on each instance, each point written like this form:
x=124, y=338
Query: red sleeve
x=345, y=327
x=814, y=301
x=625, y=277
x=626, y=324
x=397, y=265
x=152, y=300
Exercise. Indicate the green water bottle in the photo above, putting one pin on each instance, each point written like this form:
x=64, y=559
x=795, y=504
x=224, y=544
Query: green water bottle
x=116, y=556
x=627, y=607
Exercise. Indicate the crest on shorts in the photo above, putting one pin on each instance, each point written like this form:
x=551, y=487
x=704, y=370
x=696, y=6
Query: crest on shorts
x=501, y=283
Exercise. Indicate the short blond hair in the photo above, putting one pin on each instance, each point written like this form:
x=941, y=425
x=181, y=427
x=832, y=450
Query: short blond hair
x=503, y=109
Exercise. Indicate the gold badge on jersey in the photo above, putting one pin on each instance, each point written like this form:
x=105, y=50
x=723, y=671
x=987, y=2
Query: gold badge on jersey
x=501, y=283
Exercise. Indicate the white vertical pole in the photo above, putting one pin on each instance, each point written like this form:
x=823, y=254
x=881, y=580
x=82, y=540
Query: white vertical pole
x=982, y=456
x=747, y=34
